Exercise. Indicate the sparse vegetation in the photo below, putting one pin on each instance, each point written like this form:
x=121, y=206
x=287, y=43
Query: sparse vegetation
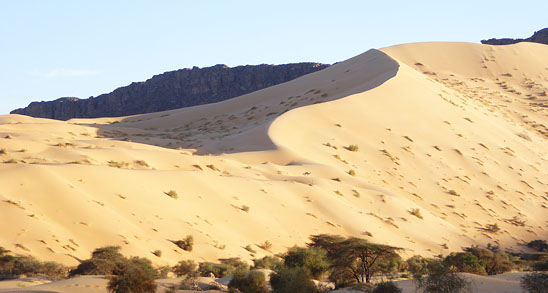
x=267, y=245
x=172, y=193
x=352, y=173
x=3, y=151
x=250, y=249
x=141, y=163
x=353, y=148
x=245, y=208
x=157, y=253
x=416, y=213
x=185, y=244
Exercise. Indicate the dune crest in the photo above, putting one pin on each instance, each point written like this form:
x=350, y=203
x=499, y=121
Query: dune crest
x=428, y=146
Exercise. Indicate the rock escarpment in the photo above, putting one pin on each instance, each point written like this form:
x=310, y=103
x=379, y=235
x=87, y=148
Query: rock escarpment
x=172, y=90
x=538, y=37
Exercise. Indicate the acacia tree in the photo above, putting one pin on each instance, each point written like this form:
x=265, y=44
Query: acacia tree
x=353, y=256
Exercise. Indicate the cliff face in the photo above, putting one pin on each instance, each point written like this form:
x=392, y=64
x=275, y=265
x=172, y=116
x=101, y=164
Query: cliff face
x=538, y=37
x=172, y=90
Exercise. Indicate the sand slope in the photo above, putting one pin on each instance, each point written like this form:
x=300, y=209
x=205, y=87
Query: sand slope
x=456, y=131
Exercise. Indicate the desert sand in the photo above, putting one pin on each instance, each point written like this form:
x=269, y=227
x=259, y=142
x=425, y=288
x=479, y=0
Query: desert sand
x=457, y=132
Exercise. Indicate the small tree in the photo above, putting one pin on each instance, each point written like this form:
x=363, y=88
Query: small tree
x=354, y=256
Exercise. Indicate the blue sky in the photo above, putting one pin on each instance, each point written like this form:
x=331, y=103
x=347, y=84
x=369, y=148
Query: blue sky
x=51, y=49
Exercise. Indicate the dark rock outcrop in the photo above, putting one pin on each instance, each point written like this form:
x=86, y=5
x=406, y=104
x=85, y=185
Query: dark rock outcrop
x=538, y=37
x=172, y=90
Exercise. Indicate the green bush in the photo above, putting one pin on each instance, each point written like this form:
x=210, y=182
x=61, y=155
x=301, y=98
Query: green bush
x=493, y=260
x=248, y=282
x=104, y=261
x=465, y=262
x=289, y=280
x=267, y=262
x=442, y=280
x=137, y=276
x=184, y=267
x=235, y=262
x=218, y=270
x=536, y=282
x=13, y=266
x=386, y=287
x=313, y=259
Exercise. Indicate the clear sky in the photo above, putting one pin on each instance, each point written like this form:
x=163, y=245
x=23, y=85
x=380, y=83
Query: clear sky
x=76, y=48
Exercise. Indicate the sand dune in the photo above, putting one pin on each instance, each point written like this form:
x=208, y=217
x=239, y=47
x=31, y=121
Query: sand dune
x=456, y=132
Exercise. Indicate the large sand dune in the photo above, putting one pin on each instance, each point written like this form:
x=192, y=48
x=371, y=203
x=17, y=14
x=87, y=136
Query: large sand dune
x=455, y=131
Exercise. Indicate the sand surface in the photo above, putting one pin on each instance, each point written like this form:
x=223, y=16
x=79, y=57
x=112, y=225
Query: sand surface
x=455, y=131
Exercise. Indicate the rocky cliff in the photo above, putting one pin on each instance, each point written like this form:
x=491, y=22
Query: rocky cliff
x=538, y=37
x=171, y=90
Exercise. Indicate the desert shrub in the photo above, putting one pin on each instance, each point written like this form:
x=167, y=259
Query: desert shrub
x=173, y=194
x=536, y=282
x=538, y=245
x=104, y=261
x=494, y=261
x=442, y=279
x=3, y=151
x=386, y=287
x=289, y=280
x=137, y=276
x=12, y=266
x=418, y=266
x=267, y=245
x=248, y=282
x=313, y=259
x=465, y=262
x=353, y=148
x=416, y=213
x=235, y=262
x=218, y=270
x=250, y=249
x=157, y=253
x=267, y=262
x=184, y=267
x=185, y=244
